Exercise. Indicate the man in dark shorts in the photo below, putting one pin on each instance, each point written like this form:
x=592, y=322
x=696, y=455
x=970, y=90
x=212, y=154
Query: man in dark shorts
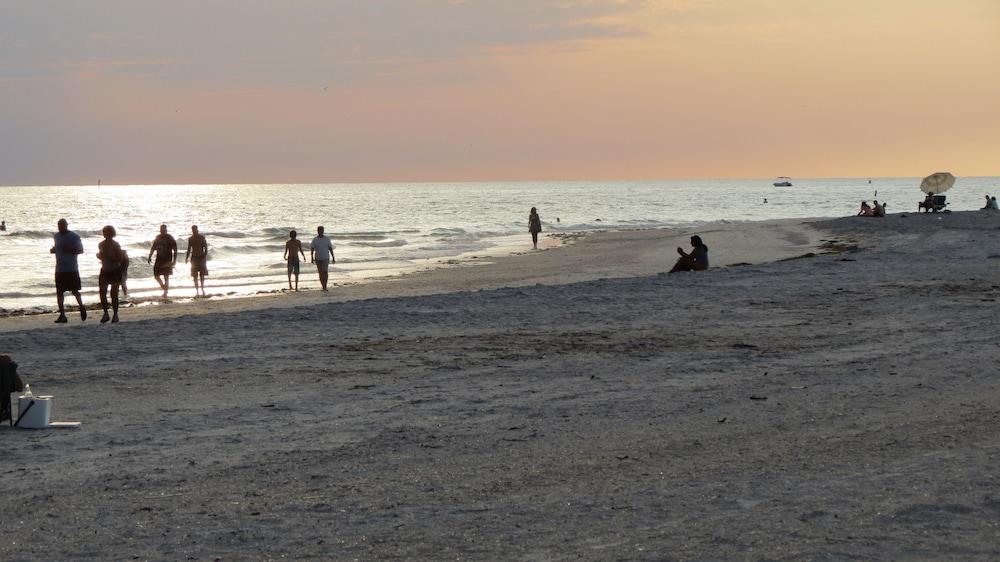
x=165, y=248
x=198, y=253
x=67, y=245
x=293, y=249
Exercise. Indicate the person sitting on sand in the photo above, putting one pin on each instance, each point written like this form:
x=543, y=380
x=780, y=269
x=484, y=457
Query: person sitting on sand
x=9, y=382
x=991, y=204
x=866, y=210
x=697, y=260
x=293, y=248
x=987, y=205
x=878, y=210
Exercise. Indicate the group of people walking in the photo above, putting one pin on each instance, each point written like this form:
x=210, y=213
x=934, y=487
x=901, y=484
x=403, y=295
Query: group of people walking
x=320, y=253
x=164, y=246
x=67, y=246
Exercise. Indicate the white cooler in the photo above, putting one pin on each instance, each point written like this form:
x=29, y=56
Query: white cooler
x=40, y=413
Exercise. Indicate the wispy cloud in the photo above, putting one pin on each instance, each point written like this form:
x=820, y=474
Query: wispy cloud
x=253, y=39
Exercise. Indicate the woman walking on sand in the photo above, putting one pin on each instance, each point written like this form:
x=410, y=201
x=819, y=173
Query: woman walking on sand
x=534, y=226
x=112, y=264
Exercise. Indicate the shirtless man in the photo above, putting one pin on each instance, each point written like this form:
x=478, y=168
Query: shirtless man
x=293, y=248
x=166, y=256
x=197, y=252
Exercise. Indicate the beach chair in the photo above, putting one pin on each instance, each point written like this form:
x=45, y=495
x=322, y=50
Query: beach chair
x=935, y=204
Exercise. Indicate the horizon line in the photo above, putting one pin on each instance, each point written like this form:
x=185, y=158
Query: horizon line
x=371, y=182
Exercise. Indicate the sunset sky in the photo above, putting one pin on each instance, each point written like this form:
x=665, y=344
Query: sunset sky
x=246, y=91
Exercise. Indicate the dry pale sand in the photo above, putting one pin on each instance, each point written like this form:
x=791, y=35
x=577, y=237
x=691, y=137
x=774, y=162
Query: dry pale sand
x=562, y=404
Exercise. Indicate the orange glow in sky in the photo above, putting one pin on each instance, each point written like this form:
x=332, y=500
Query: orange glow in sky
x=442, y=90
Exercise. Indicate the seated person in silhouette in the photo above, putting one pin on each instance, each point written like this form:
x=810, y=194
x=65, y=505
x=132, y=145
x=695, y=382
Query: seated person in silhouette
x=866, y=210
x=9, y=382
x=878, y=210
x=928, y=203
x=697, y=260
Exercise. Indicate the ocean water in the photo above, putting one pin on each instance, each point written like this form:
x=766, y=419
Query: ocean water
x=385, y=229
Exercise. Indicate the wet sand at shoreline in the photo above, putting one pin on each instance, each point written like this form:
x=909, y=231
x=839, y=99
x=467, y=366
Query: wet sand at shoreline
x=567, y=403
x=563, y=259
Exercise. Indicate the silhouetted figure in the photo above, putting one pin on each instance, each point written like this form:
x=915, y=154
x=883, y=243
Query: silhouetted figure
x=165, y=248
x=197, y=252
x=113, y=261
x=697, y=260
x=67, y=245
x=928, y=203
x=866, y=210
x=534, y=226
x=9, y=382
x=293, y=248
x=320, y=248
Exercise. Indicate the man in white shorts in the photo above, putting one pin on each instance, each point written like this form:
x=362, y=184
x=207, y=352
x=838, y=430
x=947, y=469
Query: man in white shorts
x=321, y=254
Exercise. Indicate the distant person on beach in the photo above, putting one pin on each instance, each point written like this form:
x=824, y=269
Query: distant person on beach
x=3, y=226
x=113, y=262
x=320, y=248
x=165, y=248
x=67, y=245
x=866, y=210
x=293, y=248
x=878, y=210
x=987, y=205
x=697, y=260
x=534, y=226
x=928, y=203
x=197, y=252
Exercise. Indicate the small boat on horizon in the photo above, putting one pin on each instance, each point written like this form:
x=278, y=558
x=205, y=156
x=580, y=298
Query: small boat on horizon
x=783, y=181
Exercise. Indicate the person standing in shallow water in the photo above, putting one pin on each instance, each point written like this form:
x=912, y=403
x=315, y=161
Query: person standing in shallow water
x=534, y=226
x=321, y=253
x=113, y=261
x=67, y=245
x=293, y=248
x=165, y=248
x=197, y=252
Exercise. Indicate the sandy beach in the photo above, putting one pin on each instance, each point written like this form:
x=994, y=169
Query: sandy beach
x=569, y=403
